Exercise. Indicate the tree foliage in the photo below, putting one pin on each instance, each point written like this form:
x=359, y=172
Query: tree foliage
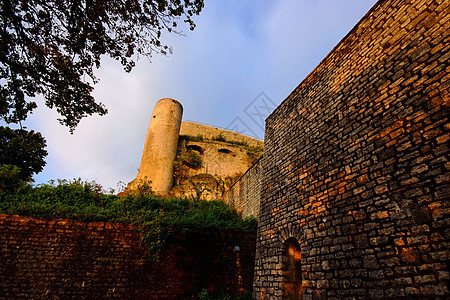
x=23, y=149
x=51, y=47
x=10, y=179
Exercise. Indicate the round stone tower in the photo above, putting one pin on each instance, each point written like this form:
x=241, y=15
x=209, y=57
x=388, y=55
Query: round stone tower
x=161, y=143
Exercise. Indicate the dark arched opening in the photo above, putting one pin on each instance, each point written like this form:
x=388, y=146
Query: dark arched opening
x=226, y=151
x=292, y=270
x=199, y=149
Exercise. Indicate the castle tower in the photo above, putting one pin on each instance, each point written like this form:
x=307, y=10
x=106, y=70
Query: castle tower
x=161, y=143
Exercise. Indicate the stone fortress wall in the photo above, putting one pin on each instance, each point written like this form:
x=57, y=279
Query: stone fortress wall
x=353, y=188
x=223, y=152
x=172, y=148
x=222, y=163
x=210, y=132
x=218, y=158
x=355, y=194
x=245, y=193
x=67, y=259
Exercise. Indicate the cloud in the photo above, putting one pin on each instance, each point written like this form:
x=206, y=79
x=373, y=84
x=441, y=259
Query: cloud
x=239, y=49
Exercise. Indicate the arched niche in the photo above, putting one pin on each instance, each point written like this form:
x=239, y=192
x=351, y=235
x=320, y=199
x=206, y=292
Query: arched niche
x=197, y=148
x=225, y=151
x=292, y=270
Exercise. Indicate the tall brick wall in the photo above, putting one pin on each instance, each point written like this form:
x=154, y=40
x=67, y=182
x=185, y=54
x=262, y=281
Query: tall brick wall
x=245, y=194
x=53, y=259
x=356, y=166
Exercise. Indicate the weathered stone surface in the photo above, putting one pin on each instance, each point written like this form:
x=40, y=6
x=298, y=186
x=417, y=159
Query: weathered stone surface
x=224, y=155
x=210, y=132
x=160, y=147
x=223, y=161
x=355, y=164
x=245, y=194
x=63, y=259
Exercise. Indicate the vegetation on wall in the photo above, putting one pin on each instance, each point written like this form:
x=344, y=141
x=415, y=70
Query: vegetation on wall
x=156, y=218
x=198, y=138
x=201, y=184
x=253, y=152
x=219, y=138
x=204, y=295
x=185, y=161
x=228, y=181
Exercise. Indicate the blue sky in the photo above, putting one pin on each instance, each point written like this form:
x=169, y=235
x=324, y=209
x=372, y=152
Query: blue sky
x=239, y=49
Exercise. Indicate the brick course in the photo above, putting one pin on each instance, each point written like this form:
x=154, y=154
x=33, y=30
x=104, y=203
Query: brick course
x=355, y=164
x=59, y=258
x=245, y=194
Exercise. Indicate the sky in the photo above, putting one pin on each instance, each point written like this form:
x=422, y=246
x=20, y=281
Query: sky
x=242, y=60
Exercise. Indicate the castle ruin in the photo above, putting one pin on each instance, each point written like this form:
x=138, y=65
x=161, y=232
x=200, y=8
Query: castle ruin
x=191, y=160
x=351, y=194
x=355, y=173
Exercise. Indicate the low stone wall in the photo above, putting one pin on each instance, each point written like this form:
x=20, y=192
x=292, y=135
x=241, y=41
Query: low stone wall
x=210, y=132
x=59, y=258
x=245, y=194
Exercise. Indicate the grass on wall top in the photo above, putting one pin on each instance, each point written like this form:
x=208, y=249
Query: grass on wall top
x=154, y=216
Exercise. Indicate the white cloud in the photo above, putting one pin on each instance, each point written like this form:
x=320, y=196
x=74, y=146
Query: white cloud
x=239, y=49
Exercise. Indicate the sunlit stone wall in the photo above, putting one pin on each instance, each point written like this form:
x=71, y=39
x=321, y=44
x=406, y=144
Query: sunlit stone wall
x=356, y=166
x=245, y=194
x=160, y=147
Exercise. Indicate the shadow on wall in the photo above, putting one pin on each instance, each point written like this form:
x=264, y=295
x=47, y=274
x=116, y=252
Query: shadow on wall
x=55, y=258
